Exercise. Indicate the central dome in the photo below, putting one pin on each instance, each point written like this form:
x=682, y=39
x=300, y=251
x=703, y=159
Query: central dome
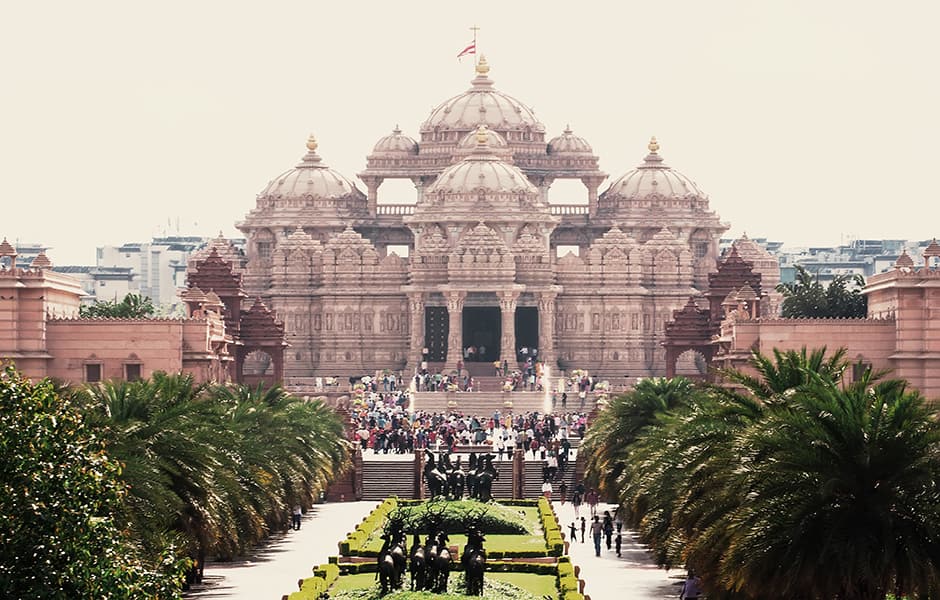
x=482, y=172
x=482, y=104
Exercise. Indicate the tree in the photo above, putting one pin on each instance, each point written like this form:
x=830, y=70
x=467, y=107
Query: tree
x=217, y=466
x=58, y=534
x=846, y=478
x=806, y=297
x=757, y=486
x=133, y=306
x=618, y=426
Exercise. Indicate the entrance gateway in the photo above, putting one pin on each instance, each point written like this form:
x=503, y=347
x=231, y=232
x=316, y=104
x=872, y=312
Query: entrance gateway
x=482, y=326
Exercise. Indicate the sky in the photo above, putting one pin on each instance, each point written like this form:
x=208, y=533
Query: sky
x=807, y=122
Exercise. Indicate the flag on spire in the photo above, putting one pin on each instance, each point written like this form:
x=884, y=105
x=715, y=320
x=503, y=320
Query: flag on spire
x=471, y=49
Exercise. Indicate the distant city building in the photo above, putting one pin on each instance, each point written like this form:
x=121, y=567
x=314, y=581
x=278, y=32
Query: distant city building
x=42, y=333
x=858, y=257
x=155, y=269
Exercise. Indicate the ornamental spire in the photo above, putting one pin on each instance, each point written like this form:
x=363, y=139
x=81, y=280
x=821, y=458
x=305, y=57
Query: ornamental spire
x=482, y=67
x=653, y=145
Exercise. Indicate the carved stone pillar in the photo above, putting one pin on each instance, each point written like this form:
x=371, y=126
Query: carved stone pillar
x=592, y=184
x=372, y=185
x=420, y=184
x=547, y=328
x=544, y=184
x=455, y=302
x=416, y=343
x=507, y=343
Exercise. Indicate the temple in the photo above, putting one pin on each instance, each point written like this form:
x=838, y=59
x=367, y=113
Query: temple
x=491, y=264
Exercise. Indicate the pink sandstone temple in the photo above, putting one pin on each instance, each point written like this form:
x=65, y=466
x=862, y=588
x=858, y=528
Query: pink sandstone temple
x=623, y=283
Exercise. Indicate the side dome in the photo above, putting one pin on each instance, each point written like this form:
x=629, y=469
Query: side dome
x=481, y=172
x=482, y=104
x=396, y=143
x=569, y=143
x=653, y=178
x=310, y=179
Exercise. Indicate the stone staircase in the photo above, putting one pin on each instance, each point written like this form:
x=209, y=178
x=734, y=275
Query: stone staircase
x=481, y=403
x=383, y=478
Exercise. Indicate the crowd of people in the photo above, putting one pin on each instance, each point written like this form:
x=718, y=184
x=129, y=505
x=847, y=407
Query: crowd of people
x=382, y=423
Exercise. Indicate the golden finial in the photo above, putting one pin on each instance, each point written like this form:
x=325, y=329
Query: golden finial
x=312, y=143
x=653, y=145
x=482, y=136
x=483, y=67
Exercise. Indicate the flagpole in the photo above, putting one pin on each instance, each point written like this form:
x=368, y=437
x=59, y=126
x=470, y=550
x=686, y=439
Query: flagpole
x=476, y=53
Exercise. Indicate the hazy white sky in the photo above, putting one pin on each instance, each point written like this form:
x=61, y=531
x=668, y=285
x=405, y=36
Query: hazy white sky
x=804, y=121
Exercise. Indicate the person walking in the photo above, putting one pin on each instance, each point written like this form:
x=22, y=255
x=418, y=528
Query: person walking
x=563, y=492
x=573, y=532
x=597, y=529
x=618, y=542
x=691, y=587
x=583, y=528
x=295, y=517
x=608, y=525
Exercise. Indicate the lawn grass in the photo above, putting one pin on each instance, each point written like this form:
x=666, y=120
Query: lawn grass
x=537, y=585
x=501, y=586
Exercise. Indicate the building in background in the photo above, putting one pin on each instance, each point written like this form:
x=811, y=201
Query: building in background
x=494, y=271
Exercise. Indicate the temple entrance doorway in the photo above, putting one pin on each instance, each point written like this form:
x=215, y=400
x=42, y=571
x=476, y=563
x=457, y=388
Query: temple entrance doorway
x=482, y=328
x=527, y=331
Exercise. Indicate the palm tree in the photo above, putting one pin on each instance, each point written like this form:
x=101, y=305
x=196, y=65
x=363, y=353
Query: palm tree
x=625, y=418
x=217, y=465
x=846, y=479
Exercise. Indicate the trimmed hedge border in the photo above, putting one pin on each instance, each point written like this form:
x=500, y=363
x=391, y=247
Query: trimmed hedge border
x=313, y=587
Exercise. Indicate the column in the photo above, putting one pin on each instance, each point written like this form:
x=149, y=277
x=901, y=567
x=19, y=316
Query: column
x=455, y=301
x=592, y=184
x=544, y=184
x=507, y=343
x=372, y=186
x=416, y=343
x=547, y=327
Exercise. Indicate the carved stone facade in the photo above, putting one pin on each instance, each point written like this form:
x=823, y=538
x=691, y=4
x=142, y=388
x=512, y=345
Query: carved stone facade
x=490, y=262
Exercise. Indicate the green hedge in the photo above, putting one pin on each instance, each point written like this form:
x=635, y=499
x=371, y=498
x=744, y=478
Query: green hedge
x=313, y=587
x=553, y=539
x=355, y=542
x=491, y=565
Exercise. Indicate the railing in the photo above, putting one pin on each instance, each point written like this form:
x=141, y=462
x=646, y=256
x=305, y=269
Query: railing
x=395, y=209
x=569, y=209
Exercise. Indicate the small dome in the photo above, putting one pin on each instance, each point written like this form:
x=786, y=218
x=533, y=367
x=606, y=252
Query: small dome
x=396, y=143
x=493, y=140
x=482, y=104
x=654, y=177
x=310, y=178
x=569, y=143
x=481, y=171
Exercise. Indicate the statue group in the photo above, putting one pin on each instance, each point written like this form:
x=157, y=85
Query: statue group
x=430, y=563
x=446, y=478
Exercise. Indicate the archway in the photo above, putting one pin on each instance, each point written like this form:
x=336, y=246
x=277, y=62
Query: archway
x=258, y=367
x=692, y=364
x=527, y=330
x=482, y=328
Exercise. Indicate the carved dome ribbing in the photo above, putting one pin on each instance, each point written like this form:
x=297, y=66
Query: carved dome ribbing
x=396, y=143
x=482, y=172
x=569, y=143
x=653, y=178
x=482, y=104
x=311, y=178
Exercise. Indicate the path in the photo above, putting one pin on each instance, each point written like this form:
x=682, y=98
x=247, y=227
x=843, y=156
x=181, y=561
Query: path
x=274, y=569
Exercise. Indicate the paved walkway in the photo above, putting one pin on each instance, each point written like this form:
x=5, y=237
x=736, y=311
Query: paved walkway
x=274, y=570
